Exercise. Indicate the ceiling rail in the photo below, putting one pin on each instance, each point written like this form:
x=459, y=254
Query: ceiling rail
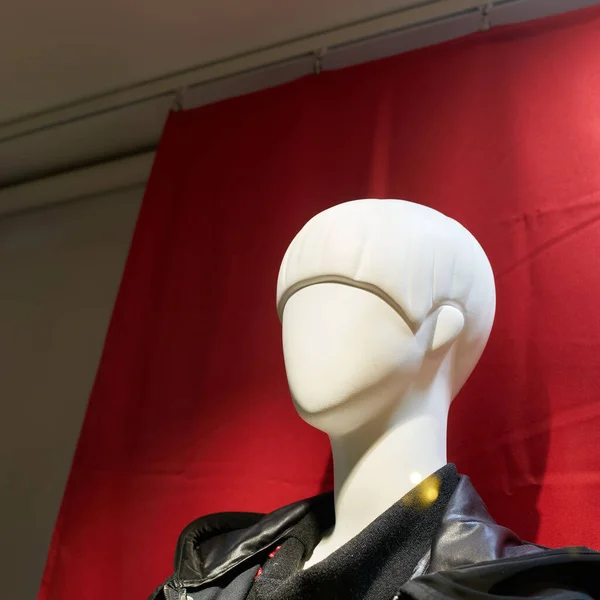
x=425, y=12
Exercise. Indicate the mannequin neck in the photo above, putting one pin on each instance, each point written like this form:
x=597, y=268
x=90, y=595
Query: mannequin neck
x=377, y=464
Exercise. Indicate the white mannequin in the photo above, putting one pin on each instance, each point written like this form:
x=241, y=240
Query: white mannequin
x=386, y=307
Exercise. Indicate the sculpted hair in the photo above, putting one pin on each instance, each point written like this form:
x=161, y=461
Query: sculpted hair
x=413, y=257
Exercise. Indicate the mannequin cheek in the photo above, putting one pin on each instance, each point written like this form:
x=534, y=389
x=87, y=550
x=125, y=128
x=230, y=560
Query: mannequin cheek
x=335, y=370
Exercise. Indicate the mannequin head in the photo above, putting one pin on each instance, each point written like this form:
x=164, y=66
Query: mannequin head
x=386, y=306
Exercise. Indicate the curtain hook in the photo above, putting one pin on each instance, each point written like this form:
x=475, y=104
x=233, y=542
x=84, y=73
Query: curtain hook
x=178, y=99
x=318, y=60
x=485, y=11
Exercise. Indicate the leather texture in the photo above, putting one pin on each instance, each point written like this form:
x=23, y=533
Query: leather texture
x=468, y=534
x=212, y=546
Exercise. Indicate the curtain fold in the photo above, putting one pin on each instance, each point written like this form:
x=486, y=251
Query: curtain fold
x=190, y=412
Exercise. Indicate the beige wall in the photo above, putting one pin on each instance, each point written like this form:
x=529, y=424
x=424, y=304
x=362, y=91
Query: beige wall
x=60, y=270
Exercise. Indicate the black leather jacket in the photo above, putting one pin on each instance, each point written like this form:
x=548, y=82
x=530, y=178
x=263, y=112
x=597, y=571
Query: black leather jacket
x=471, y=557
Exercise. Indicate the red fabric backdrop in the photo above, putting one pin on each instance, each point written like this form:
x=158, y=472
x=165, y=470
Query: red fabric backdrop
x=190, y=412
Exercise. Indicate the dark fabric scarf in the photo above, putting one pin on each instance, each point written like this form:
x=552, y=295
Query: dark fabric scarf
x=371, y=566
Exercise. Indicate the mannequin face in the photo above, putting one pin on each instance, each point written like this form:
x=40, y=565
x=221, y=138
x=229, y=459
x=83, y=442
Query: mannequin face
x=349, y=356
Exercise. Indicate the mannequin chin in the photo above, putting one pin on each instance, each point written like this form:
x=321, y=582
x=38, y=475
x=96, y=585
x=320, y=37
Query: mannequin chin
x=349, y=356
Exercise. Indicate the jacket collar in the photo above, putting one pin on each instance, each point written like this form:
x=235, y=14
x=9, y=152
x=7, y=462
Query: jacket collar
x=213, y=545
x=468, y=534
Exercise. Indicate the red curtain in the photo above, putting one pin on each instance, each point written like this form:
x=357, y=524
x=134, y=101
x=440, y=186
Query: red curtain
x=191, y=413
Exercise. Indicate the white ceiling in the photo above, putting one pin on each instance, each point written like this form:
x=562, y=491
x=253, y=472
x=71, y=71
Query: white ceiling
x=57, y=52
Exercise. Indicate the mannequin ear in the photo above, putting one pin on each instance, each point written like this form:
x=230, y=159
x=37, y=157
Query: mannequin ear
x=449, y=323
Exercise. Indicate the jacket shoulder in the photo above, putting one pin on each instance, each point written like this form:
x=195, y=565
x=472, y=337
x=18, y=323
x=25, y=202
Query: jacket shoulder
x=559, y=573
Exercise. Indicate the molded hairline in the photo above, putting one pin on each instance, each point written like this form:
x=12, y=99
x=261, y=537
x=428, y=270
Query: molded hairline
x=363, y=285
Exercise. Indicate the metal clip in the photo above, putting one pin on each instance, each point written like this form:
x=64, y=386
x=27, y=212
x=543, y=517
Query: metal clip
x=485, y=11
x=318, y=62
x=178, y=99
